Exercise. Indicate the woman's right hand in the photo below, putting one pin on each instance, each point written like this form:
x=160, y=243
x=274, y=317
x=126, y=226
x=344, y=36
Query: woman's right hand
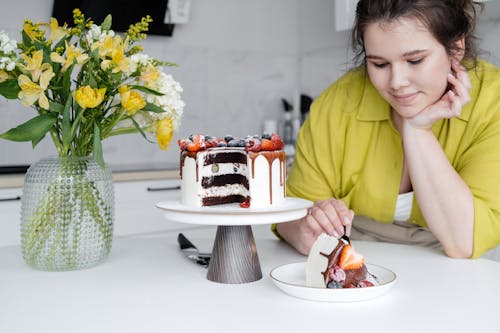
x=325, y=216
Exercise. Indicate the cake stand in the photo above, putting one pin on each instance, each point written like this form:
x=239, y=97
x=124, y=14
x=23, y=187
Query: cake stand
x=234, y=254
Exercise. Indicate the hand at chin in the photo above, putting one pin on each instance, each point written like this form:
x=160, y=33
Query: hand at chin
x=445, y=108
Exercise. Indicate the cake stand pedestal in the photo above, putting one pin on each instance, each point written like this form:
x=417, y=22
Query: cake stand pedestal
x=234, y=254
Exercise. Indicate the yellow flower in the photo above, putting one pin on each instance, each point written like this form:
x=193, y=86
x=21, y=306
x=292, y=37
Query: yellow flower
x=34, y=64
x=131, y=101
x=115, y=48
x=33, y=30
x=57, y=32
x=164, y=132
x=88, y=97
x=31, y=92
x=150, y=74
x=72, y=53
x=3, y=75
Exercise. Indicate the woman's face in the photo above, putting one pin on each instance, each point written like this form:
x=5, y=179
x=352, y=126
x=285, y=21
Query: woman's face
x=406, y=64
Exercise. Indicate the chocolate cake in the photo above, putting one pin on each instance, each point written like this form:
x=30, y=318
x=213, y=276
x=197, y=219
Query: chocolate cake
x=340, y=267
x=217, y=171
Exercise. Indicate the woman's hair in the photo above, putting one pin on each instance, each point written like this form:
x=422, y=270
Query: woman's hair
x=447, y=20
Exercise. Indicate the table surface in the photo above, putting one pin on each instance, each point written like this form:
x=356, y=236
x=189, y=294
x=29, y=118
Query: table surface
x=147, y=285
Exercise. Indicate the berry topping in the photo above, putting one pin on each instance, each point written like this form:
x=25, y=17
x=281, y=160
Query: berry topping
x=350, y=259
x=252, y=145
x=236, y=143
x=364, y=283
x=268, y=145
x=337, y=274
x=266, y=136
x=197, y=144
x=183, y=144
x=245, y=204
x=228, y=138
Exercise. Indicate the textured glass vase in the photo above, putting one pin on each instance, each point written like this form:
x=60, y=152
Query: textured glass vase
x=67, y=214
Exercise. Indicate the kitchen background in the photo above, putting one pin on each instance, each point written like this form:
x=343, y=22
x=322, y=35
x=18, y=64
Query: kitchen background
x=237, y=60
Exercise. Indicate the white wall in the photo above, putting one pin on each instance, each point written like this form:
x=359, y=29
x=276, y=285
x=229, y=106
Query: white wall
x=237, y=59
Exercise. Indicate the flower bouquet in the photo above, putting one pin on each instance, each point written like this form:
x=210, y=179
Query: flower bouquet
x=86, y=84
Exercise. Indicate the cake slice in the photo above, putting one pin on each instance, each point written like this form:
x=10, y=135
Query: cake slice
x=334, y=263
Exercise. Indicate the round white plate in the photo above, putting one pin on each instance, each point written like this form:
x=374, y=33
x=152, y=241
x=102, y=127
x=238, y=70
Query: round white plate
x=232, y=214
x=291, y=278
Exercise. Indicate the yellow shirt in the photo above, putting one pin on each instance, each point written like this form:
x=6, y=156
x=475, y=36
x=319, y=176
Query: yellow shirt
x=349, y=149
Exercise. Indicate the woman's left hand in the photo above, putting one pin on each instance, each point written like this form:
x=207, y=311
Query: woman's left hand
x=450, y=104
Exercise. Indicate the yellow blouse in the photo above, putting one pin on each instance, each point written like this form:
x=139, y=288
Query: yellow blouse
x=349, y=149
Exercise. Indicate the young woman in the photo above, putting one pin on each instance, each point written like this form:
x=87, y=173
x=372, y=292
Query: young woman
x=409, y=141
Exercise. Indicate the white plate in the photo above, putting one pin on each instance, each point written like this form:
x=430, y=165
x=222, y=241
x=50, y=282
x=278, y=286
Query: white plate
x=291, y=278
x=232, y=214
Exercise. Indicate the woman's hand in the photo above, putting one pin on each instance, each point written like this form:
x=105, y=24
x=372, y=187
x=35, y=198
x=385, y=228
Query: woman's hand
x=450, y=104
x=326, y=216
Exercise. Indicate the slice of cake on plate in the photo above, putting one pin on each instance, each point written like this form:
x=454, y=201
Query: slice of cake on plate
x=333, y=263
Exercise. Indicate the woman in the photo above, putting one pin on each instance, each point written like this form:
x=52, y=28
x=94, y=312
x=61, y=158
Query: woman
x=409, y=140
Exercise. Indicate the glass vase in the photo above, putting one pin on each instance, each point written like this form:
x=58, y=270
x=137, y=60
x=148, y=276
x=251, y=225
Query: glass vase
x=67, y=214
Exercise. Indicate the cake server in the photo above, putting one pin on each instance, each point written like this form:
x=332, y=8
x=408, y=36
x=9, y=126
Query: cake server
x=191, y=252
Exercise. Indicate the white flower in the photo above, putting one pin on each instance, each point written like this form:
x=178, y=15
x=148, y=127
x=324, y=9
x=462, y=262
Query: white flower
x=7, y=64
x=7, y=45
x=95, y=34
x=138, y=60
x=170, y=101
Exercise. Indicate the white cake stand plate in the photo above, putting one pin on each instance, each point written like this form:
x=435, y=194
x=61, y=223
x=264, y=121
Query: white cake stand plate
x=234, y=254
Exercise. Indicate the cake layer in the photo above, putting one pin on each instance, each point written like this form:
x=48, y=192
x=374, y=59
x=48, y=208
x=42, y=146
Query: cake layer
x=226, y=179
x=211, y=201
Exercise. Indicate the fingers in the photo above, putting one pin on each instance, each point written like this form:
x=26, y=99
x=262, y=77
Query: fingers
x=330, y=216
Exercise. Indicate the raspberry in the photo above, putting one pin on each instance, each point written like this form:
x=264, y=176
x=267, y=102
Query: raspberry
x=245, y=204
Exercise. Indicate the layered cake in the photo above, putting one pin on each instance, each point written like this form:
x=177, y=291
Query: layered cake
x=216, y=171
x=333, y=263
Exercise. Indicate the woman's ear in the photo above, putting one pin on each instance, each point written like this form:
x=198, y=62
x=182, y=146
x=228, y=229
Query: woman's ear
x=459, y=50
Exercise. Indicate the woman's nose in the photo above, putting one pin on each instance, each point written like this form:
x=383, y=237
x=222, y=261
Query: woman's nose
x=399, y=77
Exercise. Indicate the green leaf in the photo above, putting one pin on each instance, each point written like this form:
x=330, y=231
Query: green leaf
x=106, y=24
x=66, y=124
x=26, y=39
x=97, y=153
x=147, y=90
x=66, y=83
x=56, y=107
x=32, y=130
x=139, y=129
x=153, y=108
x=9, y=89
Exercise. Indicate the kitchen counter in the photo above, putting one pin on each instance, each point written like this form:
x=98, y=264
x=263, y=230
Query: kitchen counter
x=147, y=285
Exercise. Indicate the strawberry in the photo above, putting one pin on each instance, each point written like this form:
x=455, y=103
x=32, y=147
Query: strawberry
x=183, y=144
x=197, y=144
x=350, y=259
x=277, y=141
x=267, y=145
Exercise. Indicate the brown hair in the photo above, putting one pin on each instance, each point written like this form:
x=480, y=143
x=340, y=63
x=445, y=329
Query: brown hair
x=447, y=20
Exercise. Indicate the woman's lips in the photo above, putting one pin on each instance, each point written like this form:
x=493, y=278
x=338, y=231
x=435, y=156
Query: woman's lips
x=405, y=99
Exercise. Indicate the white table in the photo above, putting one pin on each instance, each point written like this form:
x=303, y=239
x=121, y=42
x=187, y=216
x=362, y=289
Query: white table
x=147, y=285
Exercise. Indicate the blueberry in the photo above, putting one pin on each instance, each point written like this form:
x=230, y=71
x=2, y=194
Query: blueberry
x=222, y=144
x=236, y=143
x=334, y=285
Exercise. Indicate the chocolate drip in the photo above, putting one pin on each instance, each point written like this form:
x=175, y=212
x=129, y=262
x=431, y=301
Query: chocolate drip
x=190, y=154
x=270, y=156
x=226, y=179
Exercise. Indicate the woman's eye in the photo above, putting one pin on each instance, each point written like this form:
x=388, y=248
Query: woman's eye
x=416, y=61
x=380, y=65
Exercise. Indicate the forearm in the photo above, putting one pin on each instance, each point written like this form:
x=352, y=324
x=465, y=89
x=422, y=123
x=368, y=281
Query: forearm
x=444, y=198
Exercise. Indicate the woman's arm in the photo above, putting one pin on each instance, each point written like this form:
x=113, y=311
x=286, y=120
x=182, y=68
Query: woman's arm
x=443, y=196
